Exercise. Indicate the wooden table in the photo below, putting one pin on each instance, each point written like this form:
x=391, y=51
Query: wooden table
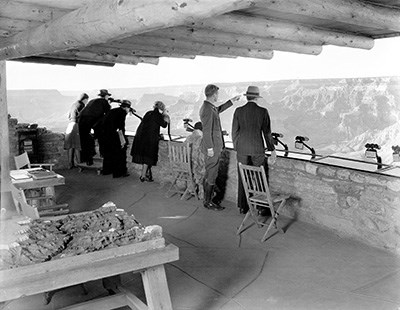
x=147, y=257
x=31, y=206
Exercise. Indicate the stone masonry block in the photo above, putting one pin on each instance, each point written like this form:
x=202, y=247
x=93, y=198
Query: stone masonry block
x=326, y=171
x=311, y=168
x=343, y=174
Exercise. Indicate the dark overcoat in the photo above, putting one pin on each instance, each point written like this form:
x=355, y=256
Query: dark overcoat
x=114, y=154
x=145, y=144
x=251, y=130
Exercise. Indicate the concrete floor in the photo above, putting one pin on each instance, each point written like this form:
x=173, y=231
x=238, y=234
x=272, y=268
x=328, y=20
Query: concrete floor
x=305, y=268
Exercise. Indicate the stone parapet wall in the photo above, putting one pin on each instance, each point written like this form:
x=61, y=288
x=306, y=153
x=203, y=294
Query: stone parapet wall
x=361, y=205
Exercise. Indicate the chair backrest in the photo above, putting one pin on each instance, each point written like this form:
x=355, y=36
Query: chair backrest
x=22, y=160
x=254, y=181
x=179, y=156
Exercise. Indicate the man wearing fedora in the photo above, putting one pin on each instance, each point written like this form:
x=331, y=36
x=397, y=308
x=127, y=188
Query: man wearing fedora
x=251, y=134
x=91, y=117
x=213, y=141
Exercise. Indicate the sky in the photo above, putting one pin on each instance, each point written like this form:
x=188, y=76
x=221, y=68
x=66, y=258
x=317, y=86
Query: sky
x=334, y=62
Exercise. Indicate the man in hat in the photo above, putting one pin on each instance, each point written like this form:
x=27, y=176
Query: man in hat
x=115, y=141
x=91, y=117
x=213, y=141
x=251, y=134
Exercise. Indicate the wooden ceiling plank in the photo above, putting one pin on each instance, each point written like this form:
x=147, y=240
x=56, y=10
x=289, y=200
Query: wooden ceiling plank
x=99, y=57
x=230, y=39
x=199, y=48
x=353, y=12
x=264, y=27
x=102, y=20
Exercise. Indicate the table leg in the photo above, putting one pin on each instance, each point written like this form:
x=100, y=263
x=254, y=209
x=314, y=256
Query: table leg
x=156, y=288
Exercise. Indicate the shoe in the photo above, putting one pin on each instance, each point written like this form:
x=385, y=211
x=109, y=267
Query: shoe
x=142, y=179
x=149, y=179
x=213, y=206
x=243, y=211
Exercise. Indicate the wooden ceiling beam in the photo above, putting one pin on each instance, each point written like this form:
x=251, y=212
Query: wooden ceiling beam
x=195, y=47
x=65, y=5
x=29, y=11
x=101, y=57
x=142, y=51
x=16, y=25
x=61, y=62
x=102, y=20
x=356, y=12
x=230, y=39
x=265, y=27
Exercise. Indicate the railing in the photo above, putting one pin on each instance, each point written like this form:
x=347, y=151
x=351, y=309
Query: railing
x=329, y=160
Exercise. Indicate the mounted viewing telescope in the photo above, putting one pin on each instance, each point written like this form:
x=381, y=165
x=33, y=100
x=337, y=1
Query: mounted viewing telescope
x=186, y=124
x=396, y=153
x=372, y=153
x=276, y=137
x=299, y=144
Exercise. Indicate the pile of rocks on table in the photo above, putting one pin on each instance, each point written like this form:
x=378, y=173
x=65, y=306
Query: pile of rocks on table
x=106, y=227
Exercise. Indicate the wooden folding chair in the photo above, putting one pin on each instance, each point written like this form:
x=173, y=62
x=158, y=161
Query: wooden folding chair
x=258, y=195
x=181, y=165
x=34, y=200
x=22, y=161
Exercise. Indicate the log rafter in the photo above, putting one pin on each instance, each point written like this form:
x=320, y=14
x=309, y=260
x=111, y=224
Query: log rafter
x=192, y=47
x=355, y=12
x=266, y=27
x=207, y=36
x=102, y=20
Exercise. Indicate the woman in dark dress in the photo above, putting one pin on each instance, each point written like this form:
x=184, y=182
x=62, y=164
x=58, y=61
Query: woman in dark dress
x=145, y=144
x=115, y=141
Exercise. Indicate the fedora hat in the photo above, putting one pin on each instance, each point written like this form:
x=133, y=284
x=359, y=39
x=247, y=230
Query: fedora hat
x=253, y=91
x=103, y=93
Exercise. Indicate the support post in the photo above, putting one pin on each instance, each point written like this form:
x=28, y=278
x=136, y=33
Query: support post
x=7, y=206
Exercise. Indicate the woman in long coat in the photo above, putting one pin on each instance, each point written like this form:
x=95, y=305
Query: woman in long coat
x=145, y=144
x=115, y=141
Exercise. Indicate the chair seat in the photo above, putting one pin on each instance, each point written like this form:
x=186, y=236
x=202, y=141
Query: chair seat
x=263, y=198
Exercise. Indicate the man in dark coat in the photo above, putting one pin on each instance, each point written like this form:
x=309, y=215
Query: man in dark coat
x=115, y=141
x=213, y=141
x=251, y=126
x=91, y=117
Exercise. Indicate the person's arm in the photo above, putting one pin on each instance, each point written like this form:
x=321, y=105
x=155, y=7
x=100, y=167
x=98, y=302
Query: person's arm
x=207, y=121
x=227, y=104
x=235, y=128
x=269, y=141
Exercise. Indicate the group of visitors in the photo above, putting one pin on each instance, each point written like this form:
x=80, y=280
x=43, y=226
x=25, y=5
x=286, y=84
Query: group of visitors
x=251, y=135
x=96, y=120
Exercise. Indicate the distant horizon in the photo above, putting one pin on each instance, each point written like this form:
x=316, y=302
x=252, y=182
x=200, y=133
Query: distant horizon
x=219, y=83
